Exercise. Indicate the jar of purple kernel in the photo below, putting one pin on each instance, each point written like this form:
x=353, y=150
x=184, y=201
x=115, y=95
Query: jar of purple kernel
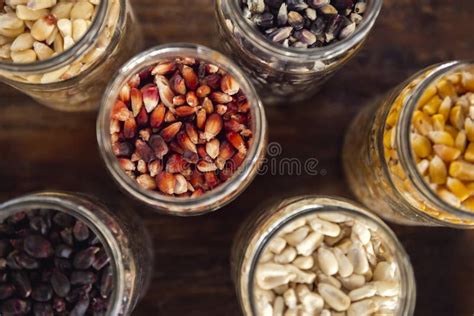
x=291, y=47
x=67, y=254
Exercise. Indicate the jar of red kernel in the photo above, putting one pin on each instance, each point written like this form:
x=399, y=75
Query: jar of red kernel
x=289, y=48
x=61, y=53
x=68, y=253
x=409, y=157
x=182, y=129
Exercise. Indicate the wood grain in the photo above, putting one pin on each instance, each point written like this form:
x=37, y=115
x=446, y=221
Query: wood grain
x=44, y=149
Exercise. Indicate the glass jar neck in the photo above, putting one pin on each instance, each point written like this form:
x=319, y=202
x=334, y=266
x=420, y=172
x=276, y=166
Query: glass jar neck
x=77, y=50
x=292, y=209
x=221, y=194
x=97, y=219
x=290, y=54
x=403, y=139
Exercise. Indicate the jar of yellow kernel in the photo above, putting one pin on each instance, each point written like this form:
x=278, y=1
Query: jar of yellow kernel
x=63, y=52
x=410, y=156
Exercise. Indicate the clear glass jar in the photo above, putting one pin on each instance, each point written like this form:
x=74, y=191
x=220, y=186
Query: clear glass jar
x=121, y=233
x=75, y=79
x=286, y=74
x=217, y=197
x=265, y=223
x=397, y=192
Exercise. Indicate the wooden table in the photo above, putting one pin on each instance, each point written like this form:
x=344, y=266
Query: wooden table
x=43, y=149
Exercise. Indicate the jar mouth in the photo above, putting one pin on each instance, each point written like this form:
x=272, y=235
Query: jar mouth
x=216, y=197
x=71, y=54
x=303, y=206
x=326, y=52
x=62, y=202
x=405, y=152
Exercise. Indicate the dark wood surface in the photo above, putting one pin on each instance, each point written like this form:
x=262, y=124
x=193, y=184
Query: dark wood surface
x=43, y=149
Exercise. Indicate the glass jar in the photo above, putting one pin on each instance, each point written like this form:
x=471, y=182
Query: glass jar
x=121, y=233
x=264, y=224
x=217, y=197
x=75, y=79
x=387, y=179
x=286, y=74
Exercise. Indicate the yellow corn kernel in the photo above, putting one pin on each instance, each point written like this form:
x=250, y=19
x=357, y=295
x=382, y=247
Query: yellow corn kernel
x=460, y=141
x=469, y=127
x=421, y=145
x=454, y=78
x=456, y=117
x=422, y=122
x=432, y=106
x=453, y=131
x=458, y=188
x=469, y=154
x=438, y=122
x=387, y=139
x=469, y=204
x=437, y=171
x=447, y=153
x=445, y=88
x=423, y=166
x=427, y=95
x=392, y=118
x=445, y=108
x=462, y=170
x=448, y=197
x=398, y=171
x=468, y=81
x=441, y=137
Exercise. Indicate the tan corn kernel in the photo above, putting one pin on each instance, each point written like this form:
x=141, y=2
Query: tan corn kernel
x=62, y=10
x=422, y=122
x=458, y=188
x=421, y=145
x=461, y=141
x=437, y=171
x=445, y=108
x=43, y=51
x=24, y=56
x=58, y=44
x=456, y=117
x=462, y=170
x=79, y=28
x=9, y=21
x=447, y=153
x=42, y=29
x=22, y=42
x=423, y=166
x=25, y=13
x=446, y=89
x=68, y=42
x=65, y=27
x=441, y=137
x=54, y=75
x=432, y=106
x=41, y=4
x=82, y=10
x=5, y=51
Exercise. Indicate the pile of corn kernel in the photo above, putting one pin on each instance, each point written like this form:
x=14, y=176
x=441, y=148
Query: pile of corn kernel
x=442, y=138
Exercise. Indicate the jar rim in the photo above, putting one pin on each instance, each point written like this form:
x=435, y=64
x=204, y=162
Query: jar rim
x=71, y=203
x=405, y=153
x=294, y=208
x=78, y=49
x=291, y=53
x=215, y=198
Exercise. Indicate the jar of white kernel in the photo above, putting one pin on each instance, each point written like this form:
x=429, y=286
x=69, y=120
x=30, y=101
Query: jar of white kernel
x=316, y=255
x=62, y=53
x=409, y=157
